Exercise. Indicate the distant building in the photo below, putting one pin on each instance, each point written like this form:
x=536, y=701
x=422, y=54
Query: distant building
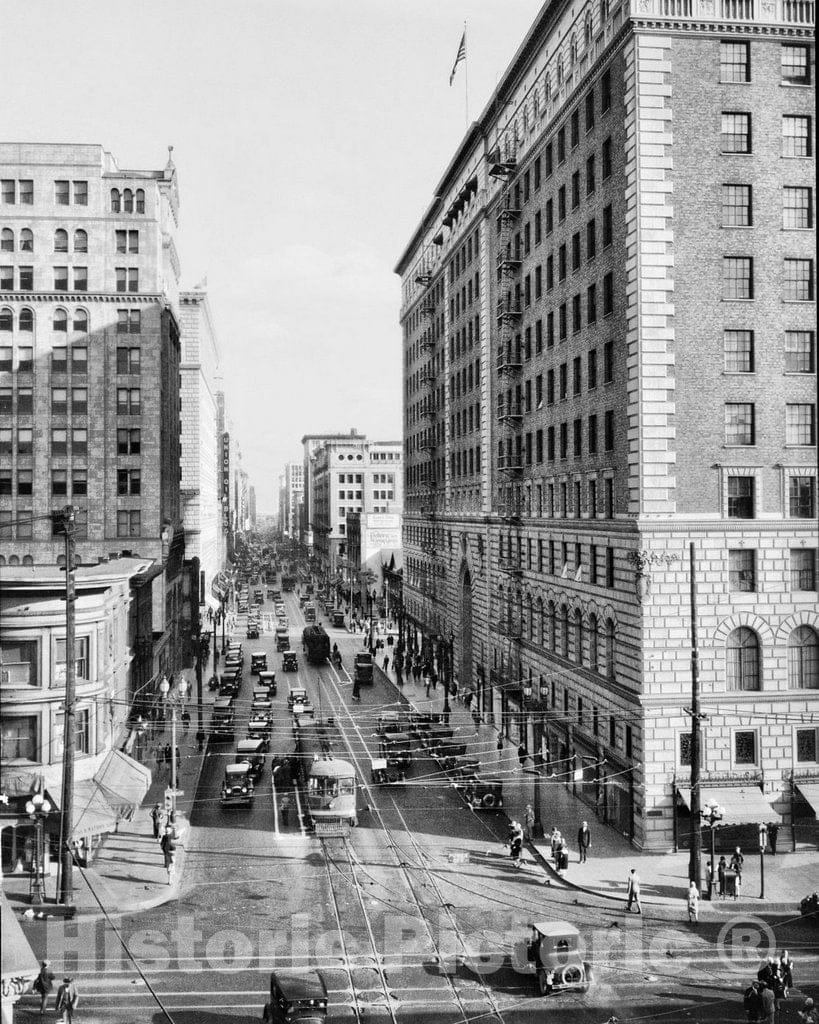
x=609, y=352
x=292, y=498
x=311, y=443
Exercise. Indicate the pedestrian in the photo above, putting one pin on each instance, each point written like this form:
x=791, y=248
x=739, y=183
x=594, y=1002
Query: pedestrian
x=284, y=809
x=768, y=1014
x=200, y=740
x=523, y=753
x=786, y=967
x=583, y=841
x=468, y=700
x=390, y=640
x=386, y=662
x=779, y=991
x=433, y=675
x=752, y=1002
x=168, y=846
x=633, y=890
x=693, y=902
x=67, y=1000
x=44, y=984
x=157, y=819
x=416, y=670
x=807, y=1015
x=515, y=841
x=553, y=838
x=765, y=973
x=168, y=755
x=529, y=823
x=186, y=721
x=721, y=869
x=500, y=746
x=773, y=832
x=737, y=860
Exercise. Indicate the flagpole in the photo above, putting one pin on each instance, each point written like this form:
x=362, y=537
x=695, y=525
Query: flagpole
x=466, y=80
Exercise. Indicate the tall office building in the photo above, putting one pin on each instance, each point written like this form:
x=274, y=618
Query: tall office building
x=609, y=354
x=292, y=499
x=311, y=444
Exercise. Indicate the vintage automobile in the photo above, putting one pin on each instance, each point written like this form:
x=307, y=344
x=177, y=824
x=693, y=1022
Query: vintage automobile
x=279, y=610
x=552, y=954
x=228, y=686
x=298, y=701
x=447, y=753
x=282, y=639
x=465, y=767
x=337, y=619
x=222, y=722
x=290, y=661
x=262, y=708
x=252, y=631
x=267, y=680
x=396, y=748
x=481, y=794
x=392, y=721
x=296, y=996
x=432, y=735
x=233, y=664
x=276, y=595
x=237, y=787
x=258, y=596
x=252, y=752
x=420, y=721
x=271, y=594
x=259, y=728
x=258, y=662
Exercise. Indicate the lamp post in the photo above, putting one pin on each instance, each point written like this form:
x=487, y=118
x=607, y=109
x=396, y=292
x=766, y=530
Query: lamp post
x=763, y=842
x=448, y=673
x=175, y=699
x=222, y=617
x=370, y=616
x=711, y=814
x=38, y=809
x=537, y=829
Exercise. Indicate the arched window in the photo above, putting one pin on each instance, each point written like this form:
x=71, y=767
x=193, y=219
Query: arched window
x=60, y=240
x=80, y=240
x=803, y=659
x=529, y=631
x=60, y=322
x=115, y=201
x=26, y=322
x=80, y=321
x=564, y=631
x=7, y=240
x=610, y=649
x=593, y=640
x=572, y=51
x=127, y=201
x=742, y=659
x=540, y=636
x=6, y=319
x=578, y=636
x=140, y=200
x=587, y=30
x=552, y=617
x=559, y=72
x=535, y=112
x=26, y=240
x=547, y=87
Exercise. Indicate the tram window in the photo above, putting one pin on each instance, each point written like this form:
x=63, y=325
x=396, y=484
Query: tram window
x=347, y=786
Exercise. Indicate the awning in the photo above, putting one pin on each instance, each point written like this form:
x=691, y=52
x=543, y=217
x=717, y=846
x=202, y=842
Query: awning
x=212, y=602
x=93, y=815
x=744, y=805
x=123, y=782
x=19, y=964
x=810, y=791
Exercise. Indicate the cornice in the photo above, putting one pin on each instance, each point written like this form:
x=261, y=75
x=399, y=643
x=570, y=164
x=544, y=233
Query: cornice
x=67, y=298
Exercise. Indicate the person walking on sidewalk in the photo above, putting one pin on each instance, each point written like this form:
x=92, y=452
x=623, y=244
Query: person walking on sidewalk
x=583, y=841
x=186, y=722
x=43, y=985
x=168, y=846
x=693, y=902
x=157, y=820
x=386, y=662
x=67, y=1000
x=633, y=891
x=523, y=753
x=515, y=841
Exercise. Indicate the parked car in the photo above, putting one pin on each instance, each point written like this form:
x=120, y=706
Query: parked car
x=237, y=787
x=296, y=995
x=363, y=668
x=251, y=752
x=267, y=679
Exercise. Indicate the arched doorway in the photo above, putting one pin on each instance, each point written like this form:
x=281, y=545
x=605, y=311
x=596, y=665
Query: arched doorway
x=466, y=679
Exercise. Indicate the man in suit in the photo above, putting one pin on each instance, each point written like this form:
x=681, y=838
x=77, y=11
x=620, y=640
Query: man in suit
x=583, y=840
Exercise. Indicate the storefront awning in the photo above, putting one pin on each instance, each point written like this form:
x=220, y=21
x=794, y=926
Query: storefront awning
x=124, y=782
x=744, y=805
x=19, y=964
x=810, y=791
x=93, y=815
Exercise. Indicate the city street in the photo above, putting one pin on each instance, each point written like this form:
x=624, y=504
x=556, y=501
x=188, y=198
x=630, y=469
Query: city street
x=413, y=919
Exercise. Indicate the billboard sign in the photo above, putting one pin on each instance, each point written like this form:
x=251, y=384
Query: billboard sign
x=226, y=467
x=383, y=532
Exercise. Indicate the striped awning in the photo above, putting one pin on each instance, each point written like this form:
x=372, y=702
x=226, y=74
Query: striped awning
x=744, y=805
x=123, y=782
x=810, y=791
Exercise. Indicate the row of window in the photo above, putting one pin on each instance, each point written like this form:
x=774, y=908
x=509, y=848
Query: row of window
x=128, y=360
x=739, y=347
x=736, y=133
x=743, y=576
x=129, y=400
x=124, y=241
x=128, y=441
x=738, y=279
x=19, y=525
x=741, y=427
x=735, y=63
x=67, y=192
x=127, y=279
x=738, y=211
x=129, y=321
x=745, y=747
x=528, y=449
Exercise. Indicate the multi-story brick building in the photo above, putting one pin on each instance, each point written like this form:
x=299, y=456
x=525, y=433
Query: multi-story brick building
x=201, y=481
x=609, y=353
x=292, y=499
x=89, y=374
x=310, y=445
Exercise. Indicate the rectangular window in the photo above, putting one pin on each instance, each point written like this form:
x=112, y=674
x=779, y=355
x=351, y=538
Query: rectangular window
x=577, y=439
x=797, y=207
x=736, y=206
x=79, y=441
x=26, y=279
x=807, y=746
x=590, y=110
x=129, y=481
x=802, y=497
x=591, y=303
x=25, y=401
x=550, y=272
x=25, y=359
x=608, y=430
x=576, y=314
x=564, y=443
x=608, y=362
x=550, y=216
x=5, y=359
x=591, y=181
x=736, y=132
x=608, y=229
x=61, y=279
x=745, y=747
x=59, y=401
x=734, y=62
x=61, y=193
x=576, y=254
x=605, y=91
x=591, y=371
x=591, y=240
x=550, y=387
x=741, y=497
x=608, y=161
x=538, y=228
x=803, y=569
x=738, y=347
x=59, y=482
x=25, y=482
x=79, y=360
x=20, y=741
x=5, y=482
x=26, y=191
x=564, y=382
x=59, y=441
x=59, y=359
x=8, y=188
x=575, y=128
x=738, y=277
x=561, y=204
x=81, y=662
x=577, y=375
x=79, y=482
x=739, y=423
x=129, y=321
x=561, y=316
x=561, y=146
x=610, y=568
x=128, y=360
x=548, y=160
x=79, y=401
x=798, y=281
x=5, y=441
x=742, y=571
x=800, y=424
x=129, y=401
x=592, y=434
x=81, y=193
x=575, y=190
x=800, y=347
x=80, y=279
x=608, y=294
x=796, y=135
x=795, y=64
x=121, y=240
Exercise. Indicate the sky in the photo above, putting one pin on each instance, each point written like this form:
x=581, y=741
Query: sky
x=308, y=138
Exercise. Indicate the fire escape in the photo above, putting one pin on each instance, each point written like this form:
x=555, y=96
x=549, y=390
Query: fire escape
x=429, y=410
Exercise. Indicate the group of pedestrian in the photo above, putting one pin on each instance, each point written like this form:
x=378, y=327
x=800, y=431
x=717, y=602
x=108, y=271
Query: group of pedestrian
x=164, y=755
x=164, y=828
x=764, y=998
x=67, y=998
x=729, y=870
x=515, y=842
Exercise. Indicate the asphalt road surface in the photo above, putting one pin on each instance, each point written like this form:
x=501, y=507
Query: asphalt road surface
x=413, y=918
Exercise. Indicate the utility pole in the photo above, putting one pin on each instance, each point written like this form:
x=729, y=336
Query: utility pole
x=695, y=857
x=66, y=887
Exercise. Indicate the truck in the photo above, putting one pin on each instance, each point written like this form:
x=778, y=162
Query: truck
x=288, y=582
x=363, y=667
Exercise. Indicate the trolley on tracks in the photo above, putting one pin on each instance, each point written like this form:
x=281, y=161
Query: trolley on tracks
x=330, y=781
x=316, y=644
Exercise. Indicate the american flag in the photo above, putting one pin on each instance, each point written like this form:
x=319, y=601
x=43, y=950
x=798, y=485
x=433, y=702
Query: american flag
x=461, y=55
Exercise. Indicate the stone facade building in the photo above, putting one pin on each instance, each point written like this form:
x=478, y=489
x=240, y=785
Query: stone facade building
x=609, y=354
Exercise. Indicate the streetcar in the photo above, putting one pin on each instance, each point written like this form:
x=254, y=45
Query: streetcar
x=316, y=644
x=330, y=781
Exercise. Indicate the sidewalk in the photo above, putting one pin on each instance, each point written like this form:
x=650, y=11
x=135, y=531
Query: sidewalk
x=128, y=874
x=664, y=877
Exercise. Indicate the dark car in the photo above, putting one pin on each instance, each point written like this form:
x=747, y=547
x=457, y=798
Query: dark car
x=237, y=787
x=296, y=996
x=251, y=752
x=258, y=662
x=290, y=661
x=267, y=680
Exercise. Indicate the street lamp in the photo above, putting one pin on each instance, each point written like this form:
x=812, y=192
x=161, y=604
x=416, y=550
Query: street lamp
x=175, y=699
x=710, y=815
x=38, y=809
x=763, y=842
